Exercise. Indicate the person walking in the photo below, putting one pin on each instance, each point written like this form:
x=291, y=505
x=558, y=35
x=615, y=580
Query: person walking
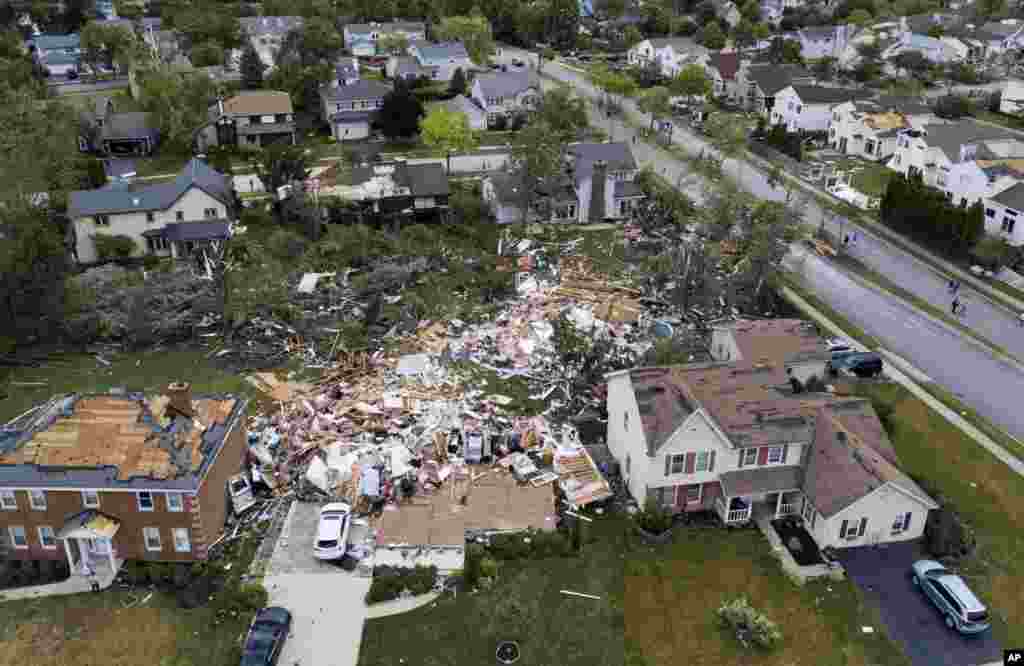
x=955, y=305
x=1020, y=320
x=951, y=286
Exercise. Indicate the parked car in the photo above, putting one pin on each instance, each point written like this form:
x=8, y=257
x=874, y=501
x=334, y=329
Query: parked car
x=949, y=593
x=266, y=636
x=835, y=345
x=862, y=364
x=517, y=62
x=332, y=531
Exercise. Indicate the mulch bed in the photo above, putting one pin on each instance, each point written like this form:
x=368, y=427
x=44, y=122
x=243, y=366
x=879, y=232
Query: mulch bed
x=808, y=553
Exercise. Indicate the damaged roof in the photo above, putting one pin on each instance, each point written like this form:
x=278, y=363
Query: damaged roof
x=851, y=458
x=780, y=339
x=663, y=403
x=113, y=440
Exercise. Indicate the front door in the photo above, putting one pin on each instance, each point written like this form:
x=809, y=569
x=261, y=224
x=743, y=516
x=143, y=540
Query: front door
x=99, y=546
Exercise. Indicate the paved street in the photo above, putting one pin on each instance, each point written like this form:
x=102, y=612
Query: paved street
x=326, y=602
x=66, y=87
x=984, y=382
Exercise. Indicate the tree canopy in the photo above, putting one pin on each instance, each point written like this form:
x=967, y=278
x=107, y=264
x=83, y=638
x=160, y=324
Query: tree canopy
x=251, y=68
x=449, y=131
x=711, y=36
x=473, y=31
x=399, y=114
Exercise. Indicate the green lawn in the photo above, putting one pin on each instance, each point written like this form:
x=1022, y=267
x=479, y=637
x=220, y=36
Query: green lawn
x=145, y=371
x=526, y=606
x=672, y=594
x=872, y=178
x=123, y=101
x=985, y=492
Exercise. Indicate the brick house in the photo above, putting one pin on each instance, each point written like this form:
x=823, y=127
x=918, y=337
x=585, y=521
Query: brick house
x=100, y=479
x=735, y=438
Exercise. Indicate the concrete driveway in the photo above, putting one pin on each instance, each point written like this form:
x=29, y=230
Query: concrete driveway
x=911, y=620
x=326, y=602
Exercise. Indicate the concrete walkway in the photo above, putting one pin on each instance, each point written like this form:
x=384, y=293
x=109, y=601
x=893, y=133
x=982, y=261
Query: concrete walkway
x=399, y=606
x=76, y=584
x=902, y=377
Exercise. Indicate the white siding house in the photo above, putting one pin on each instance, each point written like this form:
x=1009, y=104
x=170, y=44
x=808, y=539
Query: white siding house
x=1004, y=215
x=888, y=514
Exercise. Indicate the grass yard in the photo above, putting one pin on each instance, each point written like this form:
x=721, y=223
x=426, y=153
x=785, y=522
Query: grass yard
x=148, y=371
x=123, y=101
x=525, y=605
x=93, y=629
x=871, y=178
x=672, y=594
x=985, y=492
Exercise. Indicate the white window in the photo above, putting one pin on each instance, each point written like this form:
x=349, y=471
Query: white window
x=90, y=499
x=174, y=502
x=901, y=523
x=37, y=498
x=678, y=463
x=18, y=537
x=210, y=213
x=47, y=537
x=702, y=461
x=182, y=544
x=692, y=494
x=145, y=500
x=179, y=215
x=8, y=500
x=775, y=454
x=152, y=536
x=748, y=457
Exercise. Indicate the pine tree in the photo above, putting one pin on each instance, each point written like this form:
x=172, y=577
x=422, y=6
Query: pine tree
x=458, y=83
x=251, y=68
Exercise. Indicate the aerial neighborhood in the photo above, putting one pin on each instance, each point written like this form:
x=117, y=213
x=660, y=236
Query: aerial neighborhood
x=553, y=332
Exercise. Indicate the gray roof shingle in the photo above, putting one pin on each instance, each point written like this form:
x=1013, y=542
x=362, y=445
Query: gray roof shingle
x=949, y=137
x=773, y=78
x=507, y=84
x=755, y=481
x=1012, y=198
x=822, y=95
x=361, y=89
x=121, y=197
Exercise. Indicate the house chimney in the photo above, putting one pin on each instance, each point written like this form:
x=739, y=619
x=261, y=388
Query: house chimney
x=598, y=183
x=180, y=394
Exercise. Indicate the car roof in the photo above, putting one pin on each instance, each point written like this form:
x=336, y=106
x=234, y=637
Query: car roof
x=329, y=527
x=335, y=506
x=956, y=585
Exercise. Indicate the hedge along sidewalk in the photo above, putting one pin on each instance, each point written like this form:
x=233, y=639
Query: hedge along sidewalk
x=902, y=378
x=995, y=294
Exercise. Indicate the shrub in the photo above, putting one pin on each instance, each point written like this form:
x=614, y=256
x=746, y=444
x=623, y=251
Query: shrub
x=113, y=246
x=653, y=518
x=241, y=599
x=389, y=582
x=510, y=546
x=472, y=569
x=287, y=245
x=489, y=568
x=748, y=623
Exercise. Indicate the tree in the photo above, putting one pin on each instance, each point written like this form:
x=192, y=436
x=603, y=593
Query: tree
x=560, y=20
x=251, y=68
x=913, y=62
x=657, y=102
x=457, y=86
x=990, y=8
x=399, y=114
x=547, y=54
x=631, y=36
x=106, y=44
x=692, y=82
x=743, y=36
x=473, y=31
x=785, y=51
x=613, y=9
x=538, y=159
x=179, y=103
x=860, y=18
x=449, y=131
x=712, y=37
x=280, y=164
x=751, y=11
x=207, y=54
x=563, y=113
x=936, y=31
x=393, y=43
x=302, y=82
x=686, y=28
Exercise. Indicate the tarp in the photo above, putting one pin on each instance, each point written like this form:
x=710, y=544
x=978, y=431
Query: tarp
x=308, y=282
x=413, y=364
x=316, y=473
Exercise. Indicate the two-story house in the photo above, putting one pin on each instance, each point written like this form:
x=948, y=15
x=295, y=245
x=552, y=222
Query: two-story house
x=251, y=120
x=103, y=130
x=166, y=219
x=722, y=69
x=757, y=84
x=1004, y=215
x=101, y=479
x=439, y=61
x=361, y=38
x=349, y=107
x=869, y=128
x=505, y=94
x=671, y=54
x=266, y=34
x=801, y=108
x=967, y=161
x=392, y=188
x=733, y=437
x=599, y=184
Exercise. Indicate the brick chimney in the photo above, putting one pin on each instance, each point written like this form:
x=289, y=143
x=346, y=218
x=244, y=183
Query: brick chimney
x=180, y=394
x=598, y=184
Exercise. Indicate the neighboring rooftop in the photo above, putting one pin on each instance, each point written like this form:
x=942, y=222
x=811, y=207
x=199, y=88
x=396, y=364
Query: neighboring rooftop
x=617, y=156
x=727, y=64
x=259, y=102
x=119, y=438
x=772, y=78
x=767, y=340
x=423, y=180
x=822, y=95
x=507, y=84
x=384, y=28
x=949, y=137
x=1012, y=198
x=440, y=51
x=361, y=89
x=679, y=45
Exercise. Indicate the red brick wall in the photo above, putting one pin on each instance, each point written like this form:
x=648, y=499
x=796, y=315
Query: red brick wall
x=210, y=509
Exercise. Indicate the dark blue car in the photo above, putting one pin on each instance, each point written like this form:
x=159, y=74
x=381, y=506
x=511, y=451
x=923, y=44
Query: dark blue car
x=266, y=636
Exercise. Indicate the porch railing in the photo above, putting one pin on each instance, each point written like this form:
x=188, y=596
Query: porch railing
x=787, y=509
x=738, y=515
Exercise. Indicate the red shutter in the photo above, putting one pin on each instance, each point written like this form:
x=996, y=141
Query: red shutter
x=711, y=461
x=691, y=461
x=762, y=455
x=785, y=452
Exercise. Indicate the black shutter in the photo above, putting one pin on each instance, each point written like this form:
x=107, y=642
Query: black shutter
x=906, y=521
x=842, y=530
x=863, y=527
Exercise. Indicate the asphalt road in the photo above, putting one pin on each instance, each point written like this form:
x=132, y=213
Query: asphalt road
x=981, y=380
x=66, y=87
x=910, y=619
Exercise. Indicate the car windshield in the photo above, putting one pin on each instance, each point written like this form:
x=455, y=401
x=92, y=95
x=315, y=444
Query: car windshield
x=977, y=616
x=936, y=573
x=327, y=543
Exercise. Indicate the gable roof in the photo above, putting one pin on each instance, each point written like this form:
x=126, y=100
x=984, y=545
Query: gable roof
x=949, y=137
x=903, y=104
x=822, y=95
x=253, y=102
x=507, y=84
x=843, y=465
x=440, y=51
x=361, y=89
x=1012, y=197
x=771, y=78
x=727, y=64
x=129, y=125
x=394, y=26
x=423, y=180
x=662, y=402
x=123, y=197
x=618, y=156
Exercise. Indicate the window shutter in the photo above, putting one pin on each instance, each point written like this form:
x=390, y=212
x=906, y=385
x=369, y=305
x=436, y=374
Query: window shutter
x=785, y=452
x=691, y=461
x=711, y=462
x=842, y=530
x=762, y=455
x=863, y=526
x=668, y=464
x=906, y=521
x=742, y=453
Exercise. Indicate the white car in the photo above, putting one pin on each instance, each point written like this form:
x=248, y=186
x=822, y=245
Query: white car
x=838, y=345
x=332, y=531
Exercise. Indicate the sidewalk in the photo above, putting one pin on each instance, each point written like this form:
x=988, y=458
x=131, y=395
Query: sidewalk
x=901, y=377
x=76, y=584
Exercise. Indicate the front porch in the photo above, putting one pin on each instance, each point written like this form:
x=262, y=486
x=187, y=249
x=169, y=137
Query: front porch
x=771, y=492
x=88, y=539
